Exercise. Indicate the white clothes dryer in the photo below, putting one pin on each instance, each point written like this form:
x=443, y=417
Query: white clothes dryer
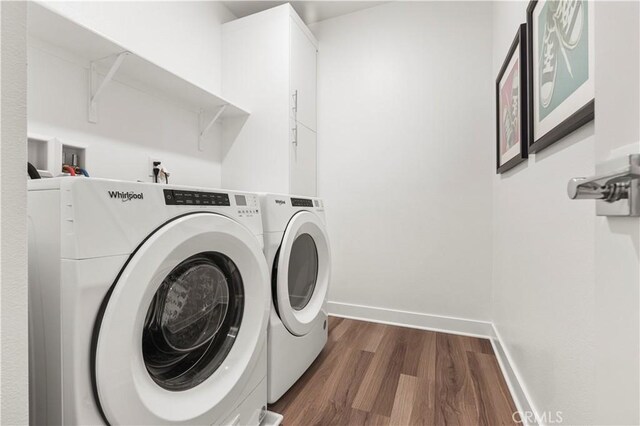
x=148, y=304
x=299, y=257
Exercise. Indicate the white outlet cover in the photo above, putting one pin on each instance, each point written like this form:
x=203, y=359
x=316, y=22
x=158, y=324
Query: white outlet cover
x=150, y=167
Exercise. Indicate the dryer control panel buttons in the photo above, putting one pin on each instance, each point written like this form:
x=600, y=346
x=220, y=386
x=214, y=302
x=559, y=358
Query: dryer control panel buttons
x=301, y=202
x=175, y=197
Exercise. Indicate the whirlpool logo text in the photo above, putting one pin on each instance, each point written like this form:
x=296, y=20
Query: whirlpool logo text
x=126, y=196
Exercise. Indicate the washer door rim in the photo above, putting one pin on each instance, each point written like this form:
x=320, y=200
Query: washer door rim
x=124, y=390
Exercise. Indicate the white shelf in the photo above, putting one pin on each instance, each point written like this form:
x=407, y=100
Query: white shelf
x=135, y=71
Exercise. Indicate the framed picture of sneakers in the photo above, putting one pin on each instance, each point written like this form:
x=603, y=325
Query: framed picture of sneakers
x=561, y=69
x=511, y=105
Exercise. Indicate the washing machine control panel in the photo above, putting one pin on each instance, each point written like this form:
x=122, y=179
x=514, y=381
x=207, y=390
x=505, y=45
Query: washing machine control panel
x=175, y=197
x=247, y=204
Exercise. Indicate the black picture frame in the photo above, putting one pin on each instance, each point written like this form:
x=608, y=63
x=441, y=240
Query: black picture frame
x=519, y=47
x=579, y=118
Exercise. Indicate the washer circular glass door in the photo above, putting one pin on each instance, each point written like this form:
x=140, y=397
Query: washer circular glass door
x=193, y=321
x=183, y=325
x=302, y=272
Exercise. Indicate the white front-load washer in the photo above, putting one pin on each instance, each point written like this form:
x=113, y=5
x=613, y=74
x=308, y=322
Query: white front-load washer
x=299, y=256
x=149, y=304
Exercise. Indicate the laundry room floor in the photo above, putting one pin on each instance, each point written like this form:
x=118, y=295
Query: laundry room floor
x=377, y=374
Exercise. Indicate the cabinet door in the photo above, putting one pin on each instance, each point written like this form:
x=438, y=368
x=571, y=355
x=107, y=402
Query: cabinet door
x=303, y=77
x=303, y=161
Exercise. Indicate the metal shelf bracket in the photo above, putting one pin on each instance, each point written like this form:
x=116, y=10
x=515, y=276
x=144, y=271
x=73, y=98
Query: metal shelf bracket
x=205, y=129
x=98, y=86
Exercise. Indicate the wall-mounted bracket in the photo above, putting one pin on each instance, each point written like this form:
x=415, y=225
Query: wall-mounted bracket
x=204, y=129
x=98, y=86
x=616, y=189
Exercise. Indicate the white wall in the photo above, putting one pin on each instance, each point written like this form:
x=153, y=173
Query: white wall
x=184, y=37
x=549, y=303
x=405, y=114
x=617, y=255
x=14, y=407
x=544, y=262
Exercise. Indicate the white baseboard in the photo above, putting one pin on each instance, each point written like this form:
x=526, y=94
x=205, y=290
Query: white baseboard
x=422, y=321
x=462, y=326
x=514, y=380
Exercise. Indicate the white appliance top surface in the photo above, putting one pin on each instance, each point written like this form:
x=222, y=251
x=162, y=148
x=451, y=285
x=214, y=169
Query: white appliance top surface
x=102, y=217
x=58, y=182
x=277, y=209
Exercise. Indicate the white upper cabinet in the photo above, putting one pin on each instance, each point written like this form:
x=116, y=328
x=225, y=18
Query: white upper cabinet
x=303, y=162
x=303, y=56
x=269, y=64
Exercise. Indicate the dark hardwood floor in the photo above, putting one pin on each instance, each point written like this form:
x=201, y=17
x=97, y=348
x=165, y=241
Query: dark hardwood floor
x=376, y=374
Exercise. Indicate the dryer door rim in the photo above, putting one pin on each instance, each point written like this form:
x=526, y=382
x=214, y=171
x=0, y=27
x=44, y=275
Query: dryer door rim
x=300, y=322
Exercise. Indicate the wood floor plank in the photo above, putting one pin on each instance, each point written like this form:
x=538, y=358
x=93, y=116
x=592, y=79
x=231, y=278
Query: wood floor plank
x=403, y=402
x=494, y=402
x=413, y=355
x=487, y=348
x=423, y=412
x=338, y=410
x=370, y=387
x=455, y=401
x=373, y=338
x=369, y=337
x=474, y=344
x=328, y=384
x=338, y=391
x=362, y=418
x=383, y=403
x=338, y=329
x=427, y=361
x=352, y=379
x=370, y=374
x=334, y=321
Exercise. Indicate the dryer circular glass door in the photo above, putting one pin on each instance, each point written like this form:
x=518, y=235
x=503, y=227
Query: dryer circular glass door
x=183, y=325
x=301, y=273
